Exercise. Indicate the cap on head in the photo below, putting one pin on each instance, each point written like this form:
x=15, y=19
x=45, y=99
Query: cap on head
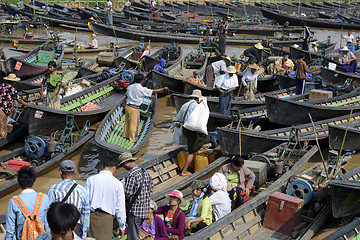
x=195, y=73
x=178, y=195
x=126, y=157
x=93, y=35
x=67, y=166
x=196, y=185
x=196, y=93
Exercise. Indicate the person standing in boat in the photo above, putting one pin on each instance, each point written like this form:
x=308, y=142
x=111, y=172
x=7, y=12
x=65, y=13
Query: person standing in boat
x=135, y=94
x=254, y=53
x=223, y=30
x=108, y=15
x=215, y=68
x=249, y=81
x=300, y=74
x=94, y=43
x=348, y=60
x=226, y=85
x=195, y=140
x=160, y=67
x=349, y=38
x=152, y=6
x=126, y=9
x=53, y=82
x=137, y=187
x=236, y=174
x=8, y=95
x=306, y=37
x=90, y=22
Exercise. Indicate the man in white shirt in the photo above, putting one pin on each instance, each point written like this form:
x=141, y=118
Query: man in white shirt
x=107, y=199
x=349, y=38
x=108, y=15
x=135, y=94
x=215, y=68
x=226, y=85
x=94, y=43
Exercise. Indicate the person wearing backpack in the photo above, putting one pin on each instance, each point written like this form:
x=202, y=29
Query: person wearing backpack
x=137, y=186
x=69, y=191
x=26, y=213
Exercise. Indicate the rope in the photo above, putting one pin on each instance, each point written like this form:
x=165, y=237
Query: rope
x=159, y=170
x=170, y=104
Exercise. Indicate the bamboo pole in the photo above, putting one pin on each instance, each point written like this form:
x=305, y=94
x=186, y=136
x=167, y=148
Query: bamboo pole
x=318, y=145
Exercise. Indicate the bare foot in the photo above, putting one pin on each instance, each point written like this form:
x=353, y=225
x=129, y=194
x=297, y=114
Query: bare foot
x=186, y=173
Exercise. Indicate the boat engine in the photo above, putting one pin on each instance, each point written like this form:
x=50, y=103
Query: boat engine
x=106, y=74
x=40, y=149
x=127, y=77
x=302, y=188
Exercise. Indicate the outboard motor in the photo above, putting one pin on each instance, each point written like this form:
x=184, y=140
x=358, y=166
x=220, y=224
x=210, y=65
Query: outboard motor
x=39, y=149
x=106, y=74
x=127, y=77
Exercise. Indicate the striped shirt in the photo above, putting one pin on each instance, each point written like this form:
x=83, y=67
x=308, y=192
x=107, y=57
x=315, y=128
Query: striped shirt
x=79, y=198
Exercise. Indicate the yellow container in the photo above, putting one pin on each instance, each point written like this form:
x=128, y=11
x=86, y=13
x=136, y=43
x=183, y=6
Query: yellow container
x=181, y=158
x=201, y=161
x=237, y=67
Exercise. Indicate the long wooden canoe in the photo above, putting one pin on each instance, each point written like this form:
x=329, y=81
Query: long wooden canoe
x=289, y=112
x=35, y=62
x=261, y=141
x=109, y=134
x=106, y=95
x=245, y=221
x=349, y=231
x=337, y=133
x=10, y=183
x=338, y=78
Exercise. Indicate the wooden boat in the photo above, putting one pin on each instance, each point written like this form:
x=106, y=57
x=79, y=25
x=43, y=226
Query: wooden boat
x=35, y=62
x=135, y=34
x=11, y=39
x=337, y=133
x=349, y=231
x=19, y=127
x=261, y=141
x=42, y=164
x=338, y=78
x=103, y=96
x=245, y=221
x=165, y=173
x=310, y=56
x=281, y=18
x=109, y=134
x=171, y=53
x=179, y=73
x=289, y=112
x=345, y=194
x=238, y=102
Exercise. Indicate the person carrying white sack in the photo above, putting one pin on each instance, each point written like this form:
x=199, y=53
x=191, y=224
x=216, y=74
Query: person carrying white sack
x=192, y=121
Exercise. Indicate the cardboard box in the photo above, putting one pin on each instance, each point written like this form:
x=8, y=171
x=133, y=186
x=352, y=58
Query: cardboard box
x=317, y=94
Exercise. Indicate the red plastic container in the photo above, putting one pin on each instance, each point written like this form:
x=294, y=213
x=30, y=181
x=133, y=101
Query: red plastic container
x=17, y=164
x=282, y=212
x=123, y=83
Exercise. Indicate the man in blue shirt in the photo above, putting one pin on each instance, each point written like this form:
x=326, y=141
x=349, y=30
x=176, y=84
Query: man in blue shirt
x=160, y=67
x=79, y=196
x=14, y=216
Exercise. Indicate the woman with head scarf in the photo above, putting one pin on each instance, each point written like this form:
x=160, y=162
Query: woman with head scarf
x=220, y=201
x=174, y=217
x=154, y=225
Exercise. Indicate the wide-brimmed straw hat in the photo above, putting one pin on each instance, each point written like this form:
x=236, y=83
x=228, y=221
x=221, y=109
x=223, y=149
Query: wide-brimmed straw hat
x=178, y=195
x=227, y=58
x=196, y=93
x=345, y=48
x=91, y=18
x=126, y=157
x=258, y=46
x=295, y=46
x=12, y=77
x=231, y=69
x=254, y=66
x=314, y=43
x=93, y=35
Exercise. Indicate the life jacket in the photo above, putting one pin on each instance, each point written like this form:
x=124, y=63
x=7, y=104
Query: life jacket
x=32, y=225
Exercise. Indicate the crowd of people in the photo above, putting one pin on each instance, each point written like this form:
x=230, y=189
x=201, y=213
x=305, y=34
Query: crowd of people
x=107, y=207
